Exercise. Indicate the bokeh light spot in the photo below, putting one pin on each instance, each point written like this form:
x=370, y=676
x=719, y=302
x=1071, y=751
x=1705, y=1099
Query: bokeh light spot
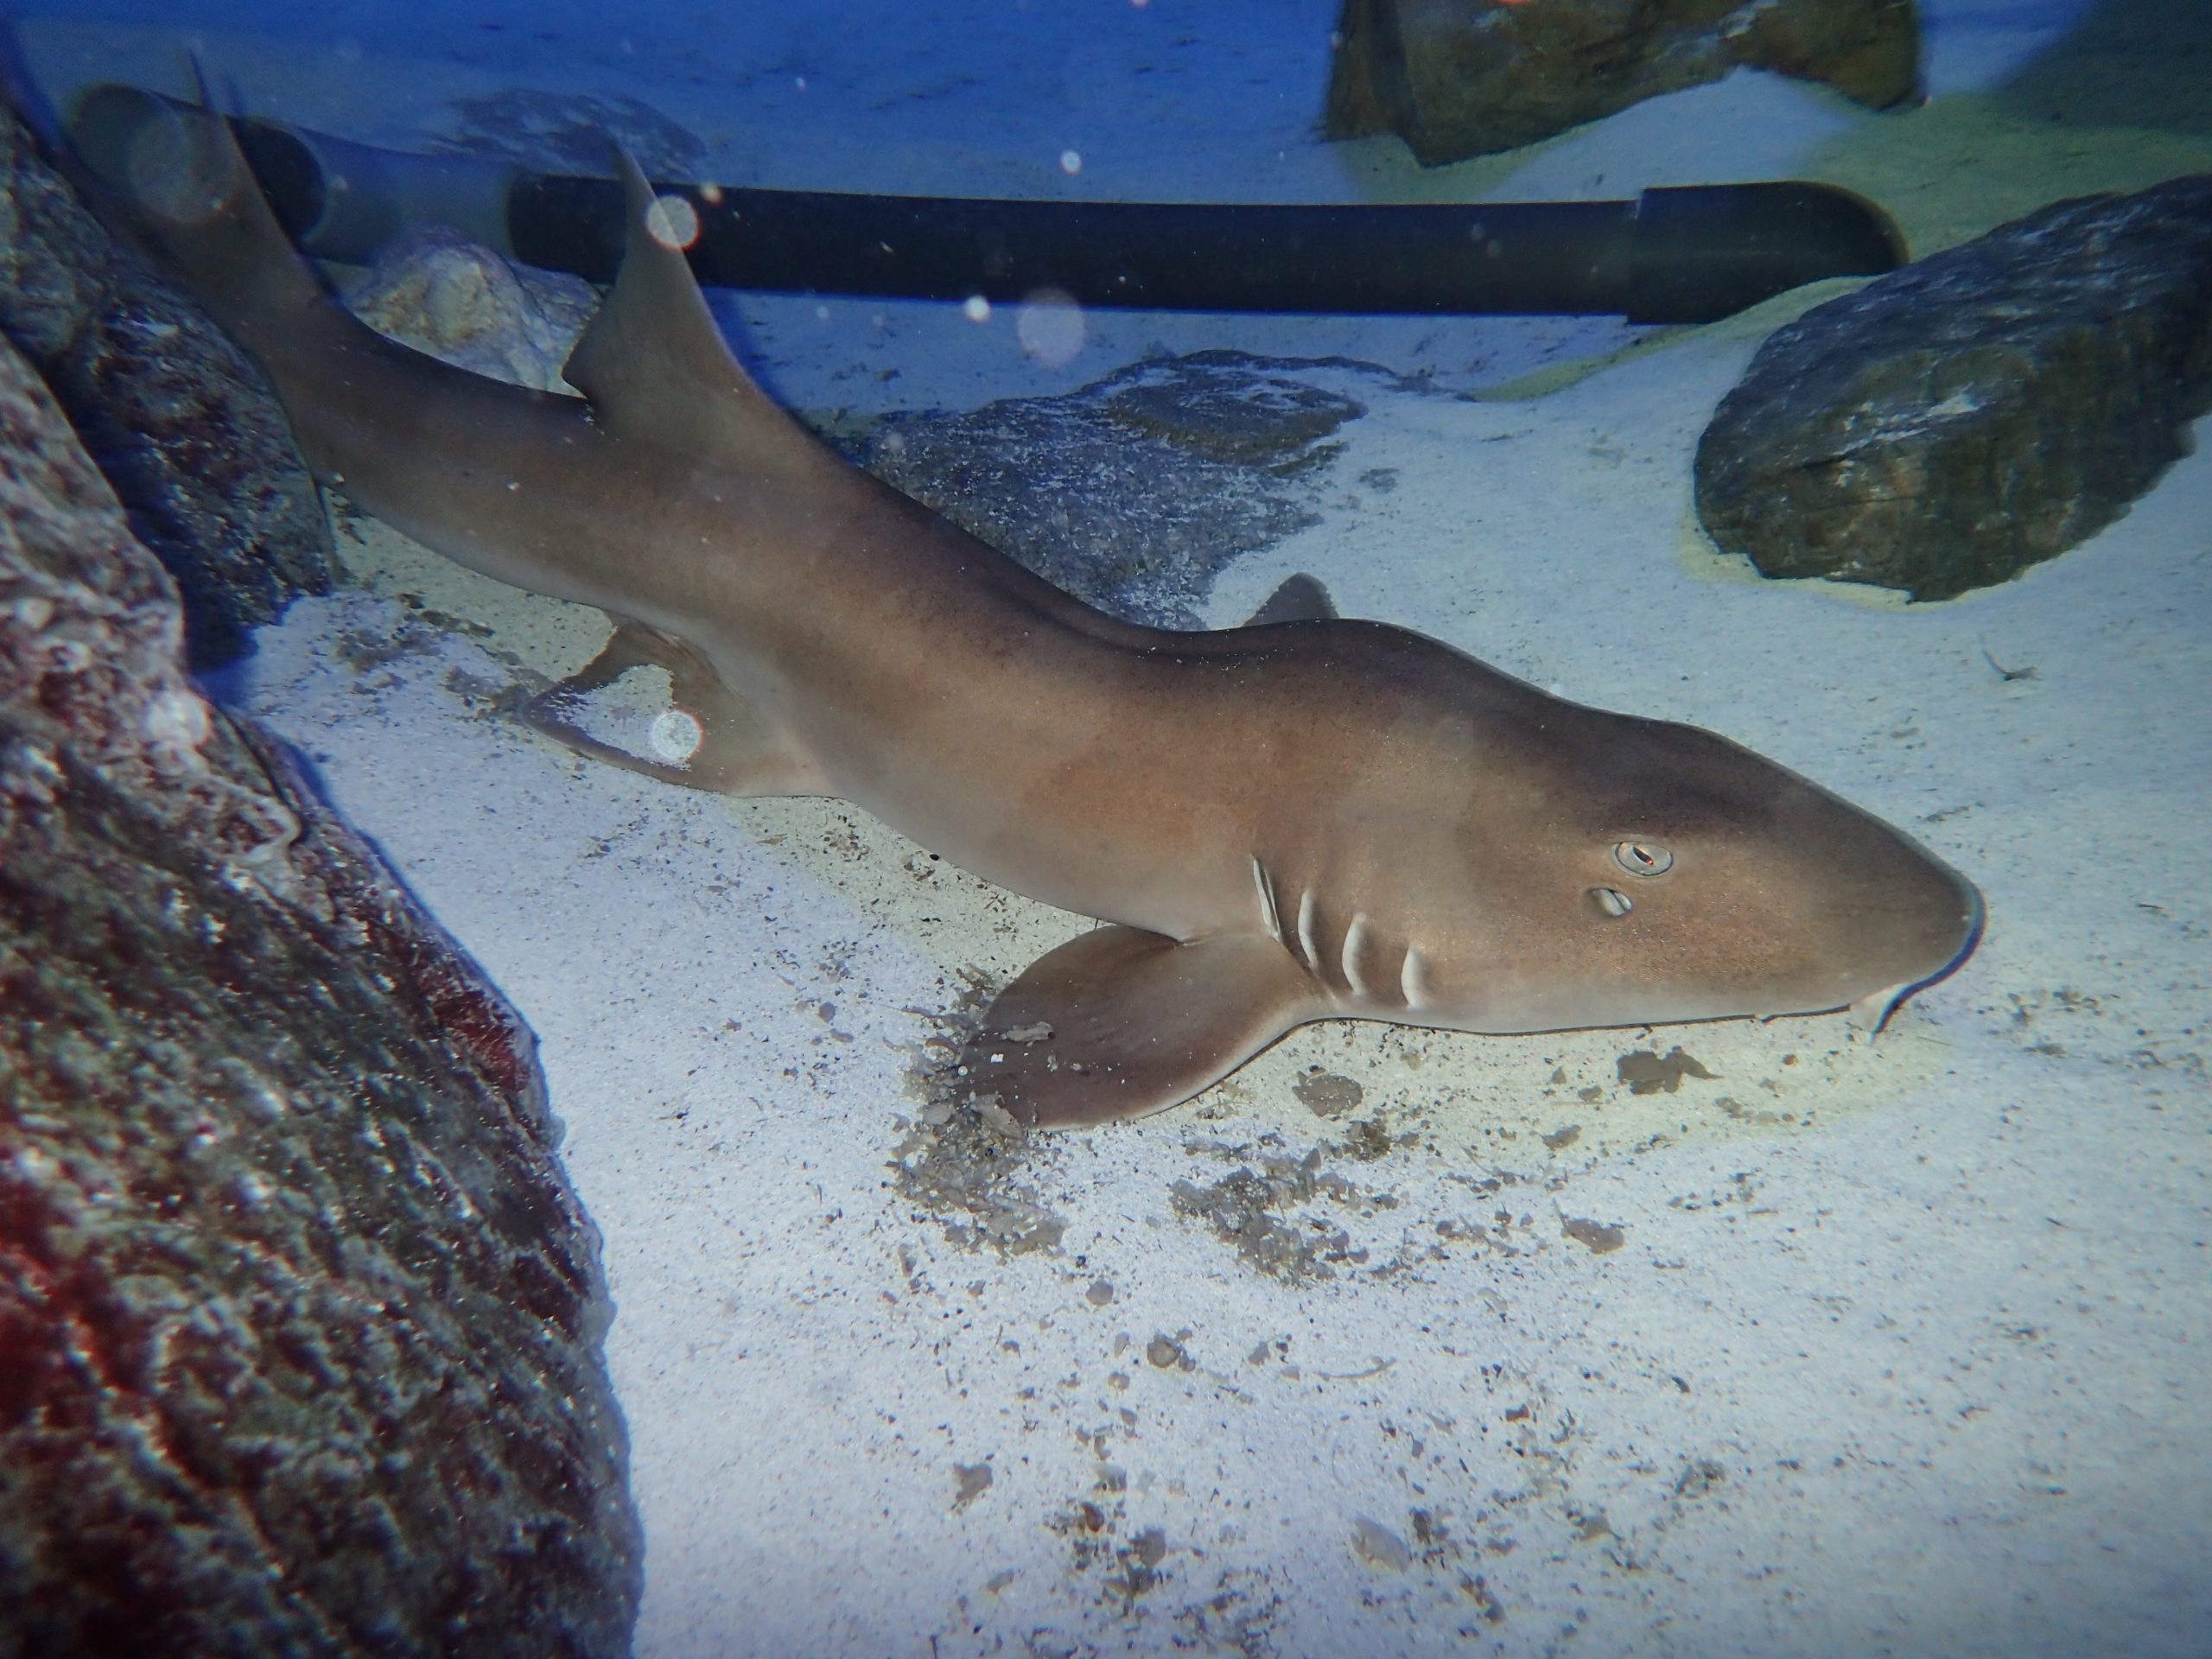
x=672, y=222
x=676, y=735
x=1050, y=326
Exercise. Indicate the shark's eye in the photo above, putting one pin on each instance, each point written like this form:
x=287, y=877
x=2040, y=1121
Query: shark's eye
x=1641, y=857
x=1610, y=902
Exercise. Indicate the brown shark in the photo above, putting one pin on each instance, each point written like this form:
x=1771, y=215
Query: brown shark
x=1304, y=819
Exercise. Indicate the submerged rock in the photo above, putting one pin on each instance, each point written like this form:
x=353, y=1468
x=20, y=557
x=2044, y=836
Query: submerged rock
x=462, y=303
x=1461, y=77
x=301, y=1320
x=568, y=132
x=183, y=424
x=1950, y=424
x=1133, y=493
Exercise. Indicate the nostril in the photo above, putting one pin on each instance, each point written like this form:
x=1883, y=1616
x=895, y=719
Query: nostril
x=1611, y=900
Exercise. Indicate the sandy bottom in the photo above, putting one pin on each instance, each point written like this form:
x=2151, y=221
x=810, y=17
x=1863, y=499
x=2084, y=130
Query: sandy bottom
x=1776, y=1340
x=1845, y=1344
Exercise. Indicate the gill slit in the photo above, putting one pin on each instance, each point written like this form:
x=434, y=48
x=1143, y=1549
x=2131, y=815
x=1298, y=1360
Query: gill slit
x=1413, y=978
x=1354, y=937
x=1270, y=916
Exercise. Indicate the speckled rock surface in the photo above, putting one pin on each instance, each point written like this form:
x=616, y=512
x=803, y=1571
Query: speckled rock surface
x=1461, y=77
x=184, y=425
x=1982, y=409
x=301, y=1321
x=457, y=300
x=1135, y=493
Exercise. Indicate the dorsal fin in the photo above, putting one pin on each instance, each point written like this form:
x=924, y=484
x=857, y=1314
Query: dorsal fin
x=1300, y=599
x=653, y=363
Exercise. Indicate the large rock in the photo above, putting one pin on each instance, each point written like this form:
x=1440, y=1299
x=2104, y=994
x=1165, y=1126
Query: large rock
x=183, y=424
x=1461, y=77
x=1950, y=424
x=299, y=1321
x=1135, y=492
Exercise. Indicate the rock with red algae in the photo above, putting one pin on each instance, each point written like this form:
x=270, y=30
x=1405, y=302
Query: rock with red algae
x=300, y=1322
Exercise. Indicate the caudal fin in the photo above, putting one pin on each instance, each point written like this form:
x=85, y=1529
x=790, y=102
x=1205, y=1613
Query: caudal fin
x=184, y=187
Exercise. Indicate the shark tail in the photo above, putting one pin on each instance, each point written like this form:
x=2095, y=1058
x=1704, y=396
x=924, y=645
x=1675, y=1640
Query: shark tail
x=653, y=362
x=185, y=187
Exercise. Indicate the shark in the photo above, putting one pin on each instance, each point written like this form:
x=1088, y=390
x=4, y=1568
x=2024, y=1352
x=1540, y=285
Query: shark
x=1307, y=817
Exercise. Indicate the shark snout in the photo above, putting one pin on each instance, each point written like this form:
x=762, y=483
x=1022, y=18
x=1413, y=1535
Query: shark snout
x=1911, y=922
x=1949, y=928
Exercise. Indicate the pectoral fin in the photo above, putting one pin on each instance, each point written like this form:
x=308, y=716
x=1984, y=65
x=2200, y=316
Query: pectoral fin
x=1121, y=1022
x=705, y=736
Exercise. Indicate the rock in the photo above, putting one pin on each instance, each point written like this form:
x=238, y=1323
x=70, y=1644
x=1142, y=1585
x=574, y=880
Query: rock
x=301, y=1320
x=457, y=300
x=1982, y=409
x=568, y=132
x=183, y=424
x=1461, y=77
x=1135, y=492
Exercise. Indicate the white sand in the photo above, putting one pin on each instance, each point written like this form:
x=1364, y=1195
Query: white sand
x=1904, y=1350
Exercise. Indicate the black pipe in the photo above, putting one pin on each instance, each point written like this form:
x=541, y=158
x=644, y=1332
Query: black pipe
x=1688, y=254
